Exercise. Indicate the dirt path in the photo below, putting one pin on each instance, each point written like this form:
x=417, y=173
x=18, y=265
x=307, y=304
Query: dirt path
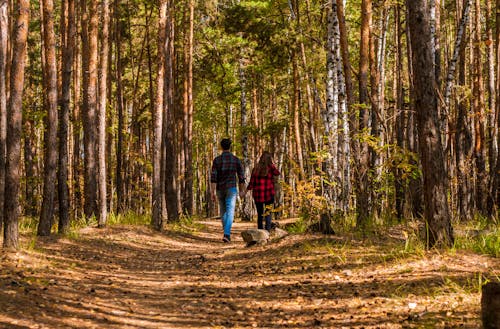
x=133, y=277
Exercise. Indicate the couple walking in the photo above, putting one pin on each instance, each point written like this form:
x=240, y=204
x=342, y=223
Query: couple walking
x=226, y=168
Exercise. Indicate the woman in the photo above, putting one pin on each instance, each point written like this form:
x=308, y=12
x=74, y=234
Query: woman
x=262, y=186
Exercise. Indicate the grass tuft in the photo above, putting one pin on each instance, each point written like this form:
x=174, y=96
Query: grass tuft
x=186, y=224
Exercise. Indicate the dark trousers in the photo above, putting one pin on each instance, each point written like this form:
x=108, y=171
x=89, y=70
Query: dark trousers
x=264, y=211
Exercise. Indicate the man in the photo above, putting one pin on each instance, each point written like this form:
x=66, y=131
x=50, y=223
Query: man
x=225, y=168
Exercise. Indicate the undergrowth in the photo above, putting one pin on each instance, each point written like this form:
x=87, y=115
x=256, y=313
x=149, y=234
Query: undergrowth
x=185, y=224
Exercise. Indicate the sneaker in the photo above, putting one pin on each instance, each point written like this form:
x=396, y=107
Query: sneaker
x=226, y=239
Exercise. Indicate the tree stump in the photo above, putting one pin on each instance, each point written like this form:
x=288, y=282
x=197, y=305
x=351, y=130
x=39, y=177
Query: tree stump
x=323, y=225
x=490, y=305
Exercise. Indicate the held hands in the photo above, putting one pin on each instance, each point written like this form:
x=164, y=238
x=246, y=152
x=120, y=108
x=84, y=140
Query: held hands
x=242, y=193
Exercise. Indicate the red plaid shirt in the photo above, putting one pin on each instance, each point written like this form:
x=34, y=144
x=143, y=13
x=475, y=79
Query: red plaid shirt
x=263, y=186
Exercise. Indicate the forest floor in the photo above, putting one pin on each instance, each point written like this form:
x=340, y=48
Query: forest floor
x=133, y=277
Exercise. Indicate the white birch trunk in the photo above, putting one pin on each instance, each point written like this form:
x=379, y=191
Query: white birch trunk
x=344, y=140
x=330, y=114
x=246, y=203
x=452, y=66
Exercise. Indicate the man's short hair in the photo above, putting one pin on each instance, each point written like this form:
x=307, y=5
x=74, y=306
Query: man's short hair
x=225, y=144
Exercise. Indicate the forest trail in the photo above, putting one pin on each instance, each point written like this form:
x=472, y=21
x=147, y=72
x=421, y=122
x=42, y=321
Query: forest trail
x=133, y=277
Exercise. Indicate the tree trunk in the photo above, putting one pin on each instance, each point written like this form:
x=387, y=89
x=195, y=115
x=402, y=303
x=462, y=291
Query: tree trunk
x=296, y=115
x=50, y=104
x=89, y=58
x=362, y=179
x=481, y=186
x=399, y=114
x=496, y=172
x=120, y=190
x=416, y=182
x=348, y=114
x=436, y=213
x=68, y=29
x=450, y=76
x=246, y=203
x=463, y=135
x=32, y=188
x=4, y=33
x=77, y=126
x=169, y=118
x=103, y=97
x=158, y=190
x=331, y=112
x=14, y=125
x=188, y=111
x=490, y=123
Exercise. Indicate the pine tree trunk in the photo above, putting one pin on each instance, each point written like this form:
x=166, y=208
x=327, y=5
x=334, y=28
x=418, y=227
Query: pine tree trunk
x=463, y=135
x=90, y=66
x=120, y=188
x=76, y=124
x=103, y=97
x=4, y=33
x=399, y=114
x=490, y=123
x=188, y=111
x=14, y=125
x=169, y=160
x=32, y=188
x=496, y=173
x=415, y=185
x=68, y=31
x=158, y=188
x=50, y=104
x=362, y=179
x=436, y=213
x=481, y=186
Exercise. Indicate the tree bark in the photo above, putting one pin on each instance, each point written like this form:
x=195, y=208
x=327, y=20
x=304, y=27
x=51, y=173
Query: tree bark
x=188, y=112
x=399, y=114
x=50, y=104
x=4, y=33
x=68, y=41
x=103, y=98
x=347, y=99
x=76, y=122
x=169, y=118
x=450, y=76
x=14, y=124
x=362, y=179
x=436, y=214
x=496, y=172
x=158, y=187
x=90, y=66
x=120, y=190
x=481, y=183
x=490, y=121
x=296, y=114
x=246, y=210
x=463, y=137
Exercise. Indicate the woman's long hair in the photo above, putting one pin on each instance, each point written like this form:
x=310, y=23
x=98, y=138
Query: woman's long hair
x=262, y=168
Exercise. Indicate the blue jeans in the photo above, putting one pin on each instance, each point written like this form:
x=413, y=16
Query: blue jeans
x=227, y=204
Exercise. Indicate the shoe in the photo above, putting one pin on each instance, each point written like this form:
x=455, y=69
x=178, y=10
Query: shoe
x=226, y=239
